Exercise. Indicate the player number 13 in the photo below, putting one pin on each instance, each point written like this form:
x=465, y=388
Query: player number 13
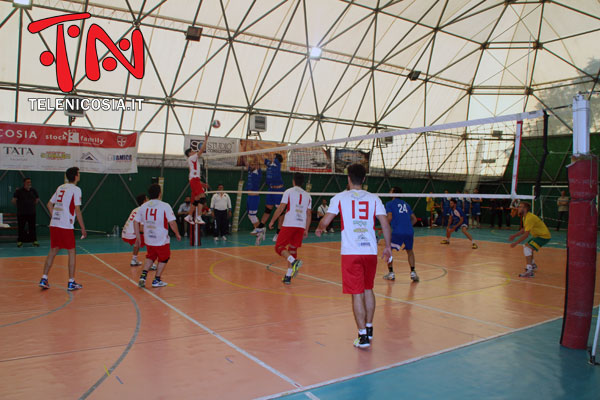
x=363, y=209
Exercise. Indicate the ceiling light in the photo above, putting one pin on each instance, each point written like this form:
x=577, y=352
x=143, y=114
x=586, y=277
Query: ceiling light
x=23, y=4
x=315, y=53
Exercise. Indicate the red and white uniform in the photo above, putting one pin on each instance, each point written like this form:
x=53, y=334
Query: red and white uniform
x=65, y=199
x=298, y=203
x=128, y=233
x=358, y=210
x=194, y=176
x=155, y=215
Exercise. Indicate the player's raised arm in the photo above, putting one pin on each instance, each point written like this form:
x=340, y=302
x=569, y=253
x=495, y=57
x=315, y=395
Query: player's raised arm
x=203, y=148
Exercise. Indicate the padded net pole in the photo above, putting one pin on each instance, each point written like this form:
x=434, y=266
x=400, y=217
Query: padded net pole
x=581, y=236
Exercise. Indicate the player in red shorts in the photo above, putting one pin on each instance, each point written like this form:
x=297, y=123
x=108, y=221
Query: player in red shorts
x=198, y=195
x=64, y=207
x=128, y=234
x=358, y=210
x=296, y=222
x=156, y=216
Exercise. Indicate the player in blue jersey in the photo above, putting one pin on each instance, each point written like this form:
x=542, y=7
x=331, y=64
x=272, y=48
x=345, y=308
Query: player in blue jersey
x=275, y=183
x=253, y=185
x=476, y=209
x=467, y=205
x=402, y=219
x=445, y=209
x=458, y=221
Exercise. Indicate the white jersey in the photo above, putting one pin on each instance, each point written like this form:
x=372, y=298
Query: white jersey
x=358, y=209
x=65, y=199
x=128, y=229
x=155, y=215
x=323, y=209
x=194, y=166
x=298, y=202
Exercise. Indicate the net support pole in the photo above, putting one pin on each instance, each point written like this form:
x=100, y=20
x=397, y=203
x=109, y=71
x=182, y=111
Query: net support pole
x=582, y=233
x=517, y=152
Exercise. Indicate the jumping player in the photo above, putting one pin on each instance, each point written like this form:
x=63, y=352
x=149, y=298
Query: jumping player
x=198, y=195
x=64, y=208
x=458, y=221
x=298, y=206
x=358, y=209
x=128, y=234
x=402, y=219
x=156, y=217
x=534, y=226
x=275, y=183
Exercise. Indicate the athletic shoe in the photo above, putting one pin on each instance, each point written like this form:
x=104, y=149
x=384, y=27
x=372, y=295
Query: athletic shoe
x=370, y=332
x=44, y=283
x=254, y=231
x=135, y=263
x=224, y=238
x=474, y=246
x=295, y=267
x=362, y=341
x=275, y=237
x=19, y=244
x=188, y=218
x=534, y=266
x=157, y=283
x=528, y=273
x=200, y=221
x=74, y=286
x=154, y=267
x=390, y=276
x=445, y=241
x=287, y=280
x=261, y=233
x=414, y=277
x=36, y=244
x=331, y=230
x=142, y=282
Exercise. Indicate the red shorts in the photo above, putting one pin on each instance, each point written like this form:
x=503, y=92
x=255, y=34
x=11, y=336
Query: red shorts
x=132, y=241
x=358, y=273
x=197, y=187
x=163, y=253
x=289, y=236
x=62, y=238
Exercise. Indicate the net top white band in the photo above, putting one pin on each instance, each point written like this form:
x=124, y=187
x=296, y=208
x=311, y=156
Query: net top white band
x=412, y=195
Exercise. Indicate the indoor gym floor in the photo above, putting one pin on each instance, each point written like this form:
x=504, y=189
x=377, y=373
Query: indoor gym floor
x=226, y=327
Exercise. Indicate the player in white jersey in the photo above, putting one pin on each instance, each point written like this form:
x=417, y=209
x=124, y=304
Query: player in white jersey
x=128, y=234
x=156, y=216
x=64, y=208
x=197, y=186
x=358, y=210
x=298, y=205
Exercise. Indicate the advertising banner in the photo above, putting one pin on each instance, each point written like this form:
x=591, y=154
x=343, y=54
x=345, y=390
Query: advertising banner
x=345, y=157
x=216, y=145
x=56, y=148
x=313, y=159
x=249, y=145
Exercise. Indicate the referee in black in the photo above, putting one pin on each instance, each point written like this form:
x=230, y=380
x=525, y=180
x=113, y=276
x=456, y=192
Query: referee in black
x=26, y=198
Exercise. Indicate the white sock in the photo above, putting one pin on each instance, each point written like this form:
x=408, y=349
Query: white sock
x=45, y=276
x=289, y=272
x=291, y=259
x=369, y=325
x=71, y=280
x=134, y=258
x=529, y=267
x=362, y=331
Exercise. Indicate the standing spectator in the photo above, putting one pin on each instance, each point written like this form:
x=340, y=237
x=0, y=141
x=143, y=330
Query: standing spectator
x=496, y=212
x=563, y=208
x=321, y=211
x=26, y=198
x=183, y=211
x=431, y=210
x=221, y=206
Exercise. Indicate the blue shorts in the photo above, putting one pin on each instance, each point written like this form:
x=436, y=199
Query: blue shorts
x=274, y=199
x=458, y=228
x=399, y=239
x=446, y=212
x=252, y=204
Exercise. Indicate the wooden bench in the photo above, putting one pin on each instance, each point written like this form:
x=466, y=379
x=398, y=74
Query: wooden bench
x=10, y=231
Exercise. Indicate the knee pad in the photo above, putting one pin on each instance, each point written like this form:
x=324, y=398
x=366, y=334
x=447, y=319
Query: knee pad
x=252, y=218
x=196, y=202
x=390, y=259
x=527, y=251
x=165, y=261
x=268, y=210
x=279, y=249
x=202, y=200
x=293, y=251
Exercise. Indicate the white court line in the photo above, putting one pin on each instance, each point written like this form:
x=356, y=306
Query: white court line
x=398, y=364
x=204, y=327
x=381, y=295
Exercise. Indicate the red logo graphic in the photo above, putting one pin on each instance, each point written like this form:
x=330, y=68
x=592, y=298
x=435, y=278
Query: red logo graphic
x=121, y=140
x=92, y=63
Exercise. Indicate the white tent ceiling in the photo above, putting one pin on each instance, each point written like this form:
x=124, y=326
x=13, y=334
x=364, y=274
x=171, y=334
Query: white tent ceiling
x=476, y=59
